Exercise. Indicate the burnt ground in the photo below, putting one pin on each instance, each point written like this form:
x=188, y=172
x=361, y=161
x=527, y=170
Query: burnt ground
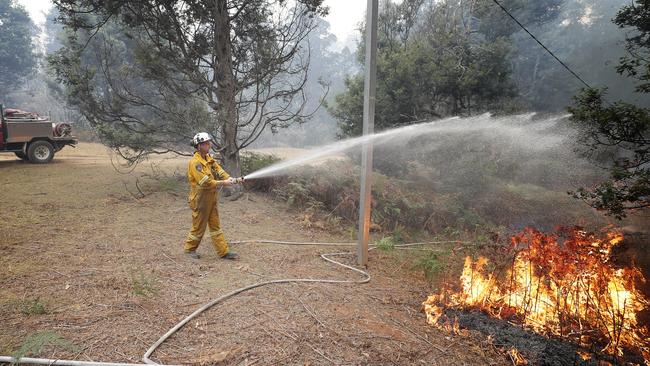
x=91, y=266
x=535, y=348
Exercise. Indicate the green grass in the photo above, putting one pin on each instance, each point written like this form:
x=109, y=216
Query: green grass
x=35, y=343
x=386, y=243
x=33, y=307
x=432, y=264
x=144, y=285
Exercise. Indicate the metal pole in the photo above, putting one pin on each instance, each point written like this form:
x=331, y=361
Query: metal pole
x=368, y=129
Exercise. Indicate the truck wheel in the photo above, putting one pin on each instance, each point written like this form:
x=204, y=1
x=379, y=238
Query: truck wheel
x=40, y=152
x=21, y=155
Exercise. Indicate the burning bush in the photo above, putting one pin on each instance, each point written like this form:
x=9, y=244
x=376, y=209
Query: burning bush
x=563, y=284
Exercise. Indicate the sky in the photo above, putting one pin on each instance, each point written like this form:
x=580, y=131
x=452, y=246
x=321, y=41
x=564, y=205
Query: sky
x=344, y=16
x=37, y=9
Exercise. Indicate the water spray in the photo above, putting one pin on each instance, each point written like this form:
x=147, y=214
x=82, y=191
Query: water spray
x=521, y=129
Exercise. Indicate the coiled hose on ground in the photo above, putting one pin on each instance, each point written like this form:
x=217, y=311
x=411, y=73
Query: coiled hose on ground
x=146, y=358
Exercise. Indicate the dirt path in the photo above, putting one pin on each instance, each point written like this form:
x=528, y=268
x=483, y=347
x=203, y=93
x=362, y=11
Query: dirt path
x=85, y=259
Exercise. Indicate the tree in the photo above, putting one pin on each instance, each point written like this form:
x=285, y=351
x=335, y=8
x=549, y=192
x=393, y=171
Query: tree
x=584, y=38
x=431, y=63
x=148, y=74
x=494, y=23
x=329, y=68
x=17, y=57
x=39, y=92
x=620, y=131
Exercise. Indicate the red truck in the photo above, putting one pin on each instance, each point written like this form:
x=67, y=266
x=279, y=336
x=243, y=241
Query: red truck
x=32, y=137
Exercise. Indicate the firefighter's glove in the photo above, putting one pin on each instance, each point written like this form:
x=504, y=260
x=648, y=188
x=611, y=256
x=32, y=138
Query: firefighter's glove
x=225, y=183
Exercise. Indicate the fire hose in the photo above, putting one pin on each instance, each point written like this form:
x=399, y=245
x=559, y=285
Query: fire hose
x=163, y=338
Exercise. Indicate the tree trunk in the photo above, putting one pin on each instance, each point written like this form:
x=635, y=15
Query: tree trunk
x=226, y=89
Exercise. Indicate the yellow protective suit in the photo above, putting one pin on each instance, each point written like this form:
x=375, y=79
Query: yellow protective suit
x=202, y=175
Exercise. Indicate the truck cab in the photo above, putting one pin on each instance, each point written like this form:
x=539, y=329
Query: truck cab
x=31, y=137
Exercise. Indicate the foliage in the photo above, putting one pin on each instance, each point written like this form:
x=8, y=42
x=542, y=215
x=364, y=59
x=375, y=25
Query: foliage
x=328, y=68
x=432, y=264
x=33, y=307
x=252, y=162
x=386, y=243
x=434, y=201
x=618, y=134
x=296, y=194
x=35, y=343
x=18, y=59
x=399, y=234
x=579, y=32
x=584, y=38
x=495, y=24
x=160, y=180
x=416, y=81
x=636, y=63
x=144, y=285
x=38, y=91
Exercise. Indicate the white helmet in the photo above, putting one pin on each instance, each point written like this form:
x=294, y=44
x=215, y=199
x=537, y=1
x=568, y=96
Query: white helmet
x=201, y=137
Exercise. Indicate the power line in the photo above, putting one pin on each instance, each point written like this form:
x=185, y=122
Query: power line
x=541, y=44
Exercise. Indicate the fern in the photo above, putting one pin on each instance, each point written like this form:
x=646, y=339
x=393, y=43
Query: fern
x=36, y=342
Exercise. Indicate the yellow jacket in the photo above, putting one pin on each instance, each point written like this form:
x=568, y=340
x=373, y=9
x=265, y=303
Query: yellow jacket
x=203, y=174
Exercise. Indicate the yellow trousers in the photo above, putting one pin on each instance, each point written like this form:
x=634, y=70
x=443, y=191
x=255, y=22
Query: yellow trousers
x=205, y=213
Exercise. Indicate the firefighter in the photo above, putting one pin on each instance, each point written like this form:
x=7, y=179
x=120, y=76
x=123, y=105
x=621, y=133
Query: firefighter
x=205, y=175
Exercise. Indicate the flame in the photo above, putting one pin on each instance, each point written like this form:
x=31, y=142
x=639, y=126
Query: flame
x=516, y=357
x=566, y=287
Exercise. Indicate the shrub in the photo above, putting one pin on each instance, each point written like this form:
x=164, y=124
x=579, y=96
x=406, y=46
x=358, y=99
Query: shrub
x=480, y=197
x=386, y=244
x=431, y=265
x=252, y=162
x=33, y=307
x=397, y=206
x=144, y=285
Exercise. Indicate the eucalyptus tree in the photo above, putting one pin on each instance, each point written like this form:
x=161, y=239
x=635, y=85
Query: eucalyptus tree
x=148, y=74
x=432, y=62
x=18, y=58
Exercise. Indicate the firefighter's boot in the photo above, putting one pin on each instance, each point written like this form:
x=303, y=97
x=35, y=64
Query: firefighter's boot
x=192, y=255
x=231, y=256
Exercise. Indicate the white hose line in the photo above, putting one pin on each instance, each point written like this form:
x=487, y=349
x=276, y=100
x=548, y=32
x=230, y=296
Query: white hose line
x=205, y=307
x=264, y=241
x=46, y=361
